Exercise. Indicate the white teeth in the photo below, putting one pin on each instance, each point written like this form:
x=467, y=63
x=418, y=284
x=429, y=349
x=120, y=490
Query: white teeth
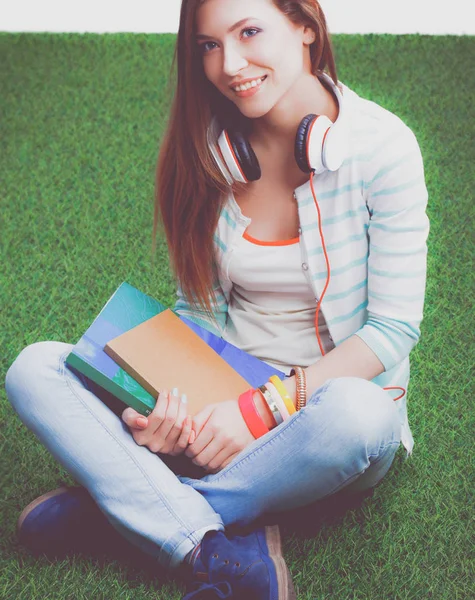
x=249, y=85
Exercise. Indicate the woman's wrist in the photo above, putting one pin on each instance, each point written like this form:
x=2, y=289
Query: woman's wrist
x=264, y=410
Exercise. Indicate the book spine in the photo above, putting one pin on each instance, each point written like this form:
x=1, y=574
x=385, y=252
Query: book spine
x=142, y=405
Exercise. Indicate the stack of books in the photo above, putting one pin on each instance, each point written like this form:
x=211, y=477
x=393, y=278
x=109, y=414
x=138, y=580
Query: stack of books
x=137, y=346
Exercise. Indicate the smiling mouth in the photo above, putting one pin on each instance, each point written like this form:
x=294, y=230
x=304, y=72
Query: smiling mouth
x=250, y=85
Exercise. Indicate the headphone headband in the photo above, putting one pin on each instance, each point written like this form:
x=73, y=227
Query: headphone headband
x=337, y=143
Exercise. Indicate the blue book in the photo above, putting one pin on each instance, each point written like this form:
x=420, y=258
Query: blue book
x=127, y=308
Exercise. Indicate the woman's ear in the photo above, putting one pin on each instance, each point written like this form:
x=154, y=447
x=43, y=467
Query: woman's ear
x=309, y=35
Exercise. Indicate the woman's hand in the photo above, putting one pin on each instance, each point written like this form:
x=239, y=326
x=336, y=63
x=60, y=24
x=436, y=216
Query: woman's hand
x=167, y=428
x=221, y=434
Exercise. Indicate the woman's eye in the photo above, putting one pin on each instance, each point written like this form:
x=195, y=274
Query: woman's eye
x=204, y=48
x=250, y=29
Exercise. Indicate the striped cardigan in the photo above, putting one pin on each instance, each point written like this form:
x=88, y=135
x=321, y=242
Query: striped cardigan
x=375, y=227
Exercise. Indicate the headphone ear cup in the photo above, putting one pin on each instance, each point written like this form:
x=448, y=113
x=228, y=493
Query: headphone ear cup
x=310, y=143
x=245, y=155
x=238, y=156
x=300, y=149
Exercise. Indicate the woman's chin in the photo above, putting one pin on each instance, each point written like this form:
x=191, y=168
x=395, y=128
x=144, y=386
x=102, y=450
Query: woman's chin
x=252, y=112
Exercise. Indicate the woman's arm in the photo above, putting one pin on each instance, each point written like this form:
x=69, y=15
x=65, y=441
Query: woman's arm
x=397, y=262
x=351, y=358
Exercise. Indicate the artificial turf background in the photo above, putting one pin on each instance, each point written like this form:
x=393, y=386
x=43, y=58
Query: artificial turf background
x=82, y=118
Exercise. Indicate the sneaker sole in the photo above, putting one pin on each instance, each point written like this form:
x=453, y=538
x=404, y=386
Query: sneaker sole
x=284, y=578
x=27, y=510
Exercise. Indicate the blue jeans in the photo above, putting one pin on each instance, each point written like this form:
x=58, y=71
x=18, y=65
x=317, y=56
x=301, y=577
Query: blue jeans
x=346, y=437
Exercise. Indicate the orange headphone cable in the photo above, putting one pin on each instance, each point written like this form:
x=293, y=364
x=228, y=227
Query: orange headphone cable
x=328, y=282
x=327, y=261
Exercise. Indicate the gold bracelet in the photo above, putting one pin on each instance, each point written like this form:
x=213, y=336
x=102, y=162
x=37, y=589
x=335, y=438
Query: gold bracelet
x=301, y=386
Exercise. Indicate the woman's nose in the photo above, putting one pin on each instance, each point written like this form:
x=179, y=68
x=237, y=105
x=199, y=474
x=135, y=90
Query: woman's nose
x=233, y=61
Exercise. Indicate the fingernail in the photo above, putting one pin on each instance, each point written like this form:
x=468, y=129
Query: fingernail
x=192, y=437
x=184, y=399
x=175, y=391
x=142, y=422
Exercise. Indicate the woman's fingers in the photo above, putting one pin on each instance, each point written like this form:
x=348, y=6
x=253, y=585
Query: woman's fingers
x=171, y=432
x=183, y=439
x=169, y=419
x=133, y=419
x=167, y=429
x=179, y=410
x=221, y=460
x=159, y=412
x=152, y=435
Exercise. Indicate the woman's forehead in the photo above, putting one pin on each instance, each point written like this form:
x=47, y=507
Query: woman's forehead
x=224, y=14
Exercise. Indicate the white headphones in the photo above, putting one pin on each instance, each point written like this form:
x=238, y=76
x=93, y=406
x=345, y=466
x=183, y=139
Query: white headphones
x=320, y=145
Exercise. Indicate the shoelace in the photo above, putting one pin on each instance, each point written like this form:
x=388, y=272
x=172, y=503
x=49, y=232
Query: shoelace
x=211, y=591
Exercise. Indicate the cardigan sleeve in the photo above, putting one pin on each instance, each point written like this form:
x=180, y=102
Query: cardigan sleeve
x=398, y=230
x=200, y=317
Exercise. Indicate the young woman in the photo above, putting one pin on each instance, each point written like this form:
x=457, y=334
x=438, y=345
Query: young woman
x=294, y=212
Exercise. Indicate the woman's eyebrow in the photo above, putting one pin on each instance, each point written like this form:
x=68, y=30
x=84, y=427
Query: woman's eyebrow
x=200, y=36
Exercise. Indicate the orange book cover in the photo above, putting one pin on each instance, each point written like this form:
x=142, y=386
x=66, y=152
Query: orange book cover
x=163, y=353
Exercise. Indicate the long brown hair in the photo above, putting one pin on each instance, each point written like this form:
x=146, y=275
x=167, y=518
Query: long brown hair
x=189, y=188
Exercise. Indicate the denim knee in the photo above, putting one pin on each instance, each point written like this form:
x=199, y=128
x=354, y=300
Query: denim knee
x=361, y=412
x=29, y=370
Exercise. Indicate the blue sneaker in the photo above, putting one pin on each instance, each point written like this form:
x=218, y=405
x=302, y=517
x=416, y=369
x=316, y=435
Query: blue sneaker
x=63, y=521
x=249, y=567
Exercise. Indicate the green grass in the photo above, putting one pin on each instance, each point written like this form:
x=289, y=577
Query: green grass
x=82, y=121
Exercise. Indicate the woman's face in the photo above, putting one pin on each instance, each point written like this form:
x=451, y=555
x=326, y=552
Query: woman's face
x=242, y=40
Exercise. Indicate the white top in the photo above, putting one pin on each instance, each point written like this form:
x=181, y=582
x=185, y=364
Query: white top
x=272, y=310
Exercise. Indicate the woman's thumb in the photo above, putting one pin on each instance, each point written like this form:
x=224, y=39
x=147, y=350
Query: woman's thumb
x=134, y=419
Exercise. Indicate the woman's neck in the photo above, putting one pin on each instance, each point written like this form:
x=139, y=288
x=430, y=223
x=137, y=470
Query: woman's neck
x=277, y=129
